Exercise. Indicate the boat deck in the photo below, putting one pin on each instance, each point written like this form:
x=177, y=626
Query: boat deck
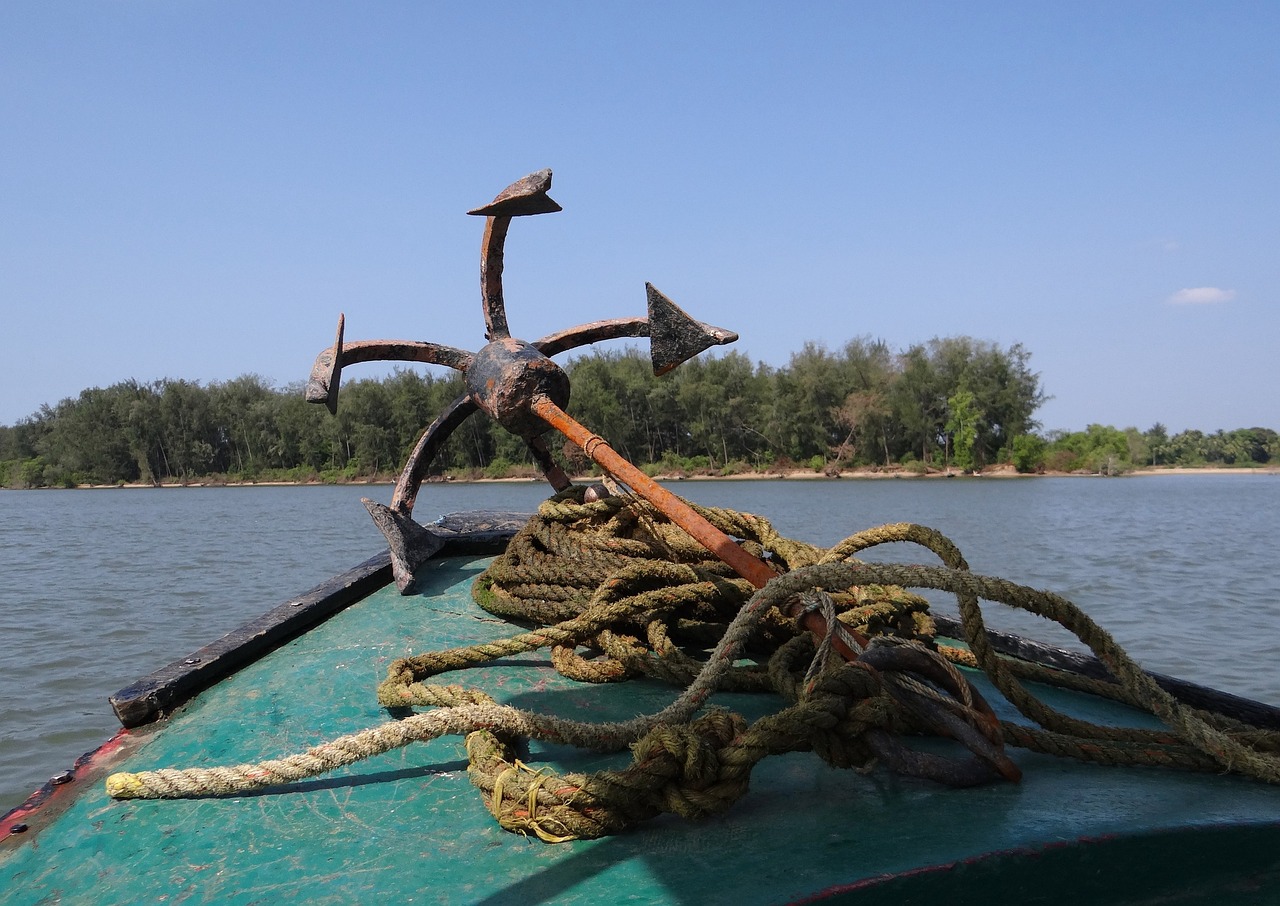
x=408, y=827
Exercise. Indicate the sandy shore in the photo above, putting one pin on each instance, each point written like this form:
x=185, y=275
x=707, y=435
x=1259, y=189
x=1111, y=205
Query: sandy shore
x=997, y=472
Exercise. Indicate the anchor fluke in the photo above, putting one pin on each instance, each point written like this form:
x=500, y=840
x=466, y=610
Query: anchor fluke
x=326, y=373
x=674, y=337
x=524, y=196
x=411, y=544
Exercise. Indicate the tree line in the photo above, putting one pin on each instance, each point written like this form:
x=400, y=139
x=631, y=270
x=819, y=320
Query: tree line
x=951, y=402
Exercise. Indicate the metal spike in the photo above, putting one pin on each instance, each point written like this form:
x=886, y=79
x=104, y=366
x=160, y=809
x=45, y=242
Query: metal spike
x=326, y=373
x=524, y=196
x=411, y=544
x=674, y=337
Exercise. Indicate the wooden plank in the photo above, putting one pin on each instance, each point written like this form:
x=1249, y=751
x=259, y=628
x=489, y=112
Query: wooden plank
x=1256, y=713
x=153, y=696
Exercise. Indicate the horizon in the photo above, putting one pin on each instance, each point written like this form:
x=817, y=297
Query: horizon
x=194, y=192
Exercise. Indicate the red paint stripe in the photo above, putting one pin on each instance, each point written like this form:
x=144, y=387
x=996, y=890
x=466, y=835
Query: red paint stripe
x=52, y=792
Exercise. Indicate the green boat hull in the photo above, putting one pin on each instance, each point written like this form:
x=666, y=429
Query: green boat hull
x=408, y=827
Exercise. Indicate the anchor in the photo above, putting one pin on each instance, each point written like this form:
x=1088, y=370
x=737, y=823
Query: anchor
x=517, y=384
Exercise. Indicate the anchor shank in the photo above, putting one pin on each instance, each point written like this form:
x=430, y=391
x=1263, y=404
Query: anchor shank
x=754, y=570
x=495, y=314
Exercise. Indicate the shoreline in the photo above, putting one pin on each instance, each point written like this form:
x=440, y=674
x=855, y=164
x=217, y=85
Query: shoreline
x=998, y=472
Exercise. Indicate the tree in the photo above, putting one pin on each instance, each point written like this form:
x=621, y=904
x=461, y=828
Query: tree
x=962, y=426
x=188, y=431
x=919, y=400
x=865, y=412
x=1098, y=448
x=719, y=400
x=1188, y=448
x=806, y=392
x=604, y=399
x=1249, y=445
x=1028, y=453
x=1157, y=437
x=242, y=408
x=85, y=441
x=1004, y=388
x=140, y=423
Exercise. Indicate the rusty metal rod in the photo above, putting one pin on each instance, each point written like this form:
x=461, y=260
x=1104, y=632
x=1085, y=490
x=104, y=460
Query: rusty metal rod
x=491, y=253
x=753, y=569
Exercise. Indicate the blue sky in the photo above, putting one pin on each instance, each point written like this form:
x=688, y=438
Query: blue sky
x=196, y=189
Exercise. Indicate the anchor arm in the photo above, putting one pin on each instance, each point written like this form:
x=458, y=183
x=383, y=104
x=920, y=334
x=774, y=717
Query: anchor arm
x=674, y=337
x=326, y=373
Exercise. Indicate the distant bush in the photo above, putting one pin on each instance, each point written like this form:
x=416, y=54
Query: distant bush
x=1061, y=461
x=782, y=465
x=737, y=467
x=1028, y=453
x=674, y=464
x=499, y=468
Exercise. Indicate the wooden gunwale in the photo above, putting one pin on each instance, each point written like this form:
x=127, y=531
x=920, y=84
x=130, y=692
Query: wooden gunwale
x=155, y=695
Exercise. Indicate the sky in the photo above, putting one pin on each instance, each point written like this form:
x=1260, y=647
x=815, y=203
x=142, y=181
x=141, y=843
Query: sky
x=195, y=190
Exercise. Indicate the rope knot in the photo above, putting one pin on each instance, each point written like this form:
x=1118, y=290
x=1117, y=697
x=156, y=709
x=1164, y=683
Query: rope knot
x=687, y=758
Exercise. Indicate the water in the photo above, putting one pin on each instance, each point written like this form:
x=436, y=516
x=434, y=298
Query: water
x=101, y=587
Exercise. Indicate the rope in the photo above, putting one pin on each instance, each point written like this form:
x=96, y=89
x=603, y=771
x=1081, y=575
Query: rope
x=614, y=579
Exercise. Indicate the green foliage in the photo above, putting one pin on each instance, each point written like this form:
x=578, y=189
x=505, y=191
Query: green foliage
x=1028, y=453
x=1098, y=449
x=962, y=424
x=863, y=404
x=675, y=464
x=499, y=468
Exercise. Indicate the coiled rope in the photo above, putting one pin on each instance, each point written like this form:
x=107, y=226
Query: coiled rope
x=616, y=591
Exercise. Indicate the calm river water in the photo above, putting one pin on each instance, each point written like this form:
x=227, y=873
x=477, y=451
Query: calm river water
x=101, y=587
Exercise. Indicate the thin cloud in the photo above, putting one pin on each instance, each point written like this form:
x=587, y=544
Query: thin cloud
x=1201, y=295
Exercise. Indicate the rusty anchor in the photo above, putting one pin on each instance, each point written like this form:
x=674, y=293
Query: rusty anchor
x=505, y=379
x=516, y=383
